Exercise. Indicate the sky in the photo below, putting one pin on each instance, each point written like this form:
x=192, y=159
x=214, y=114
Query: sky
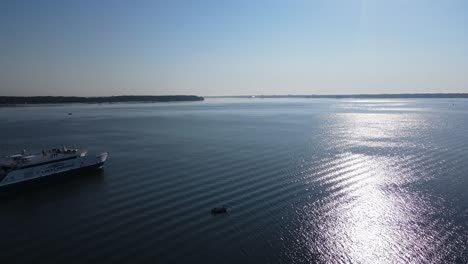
x=214, y=47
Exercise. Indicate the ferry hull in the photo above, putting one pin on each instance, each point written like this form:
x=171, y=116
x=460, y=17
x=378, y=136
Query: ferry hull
x=53, y=177
x=53, y=170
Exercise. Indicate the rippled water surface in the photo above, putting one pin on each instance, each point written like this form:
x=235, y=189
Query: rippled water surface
x=327, y=181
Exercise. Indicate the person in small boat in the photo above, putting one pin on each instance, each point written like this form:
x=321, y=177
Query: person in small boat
x=218, y=210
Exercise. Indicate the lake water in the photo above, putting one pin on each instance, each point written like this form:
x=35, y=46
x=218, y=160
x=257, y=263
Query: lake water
x=312, y=180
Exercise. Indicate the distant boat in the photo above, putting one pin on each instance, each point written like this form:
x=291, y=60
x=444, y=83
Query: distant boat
x=24, y=167
x=219, y=210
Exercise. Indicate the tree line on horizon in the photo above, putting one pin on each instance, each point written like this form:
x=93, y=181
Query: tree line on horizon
x=102, y=99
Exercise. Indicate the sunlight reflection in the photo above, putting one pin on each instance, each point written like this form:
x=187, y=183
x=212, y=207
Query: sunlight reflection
x=368, y=213
x=370, y=219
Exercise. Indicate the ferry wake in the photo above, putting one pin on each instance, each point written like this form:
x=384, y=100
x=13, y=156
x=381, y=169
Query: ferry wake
x=25, y=167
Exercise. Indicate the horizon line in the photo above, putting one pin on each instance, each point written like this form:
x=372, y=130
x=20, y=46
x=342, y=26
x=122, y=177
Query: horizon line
x=249, y=95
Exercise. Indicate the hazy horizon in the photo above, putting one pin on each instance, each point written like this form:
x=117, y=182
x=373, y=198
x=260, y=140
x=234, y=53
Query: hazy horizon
x=213, y=48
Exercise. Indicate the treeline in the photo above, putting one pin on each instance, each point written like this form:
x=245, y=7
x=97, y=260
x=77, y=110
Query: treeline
x=14, y=100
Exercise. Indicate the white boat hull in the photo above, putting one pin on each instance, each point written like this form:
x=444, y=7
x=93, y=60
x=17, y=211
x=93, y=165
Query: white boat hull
x=41, y=170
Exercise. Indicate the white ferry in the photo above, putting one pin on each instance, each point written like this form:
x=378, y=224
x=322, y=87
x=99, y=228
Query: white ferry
x=25, y=167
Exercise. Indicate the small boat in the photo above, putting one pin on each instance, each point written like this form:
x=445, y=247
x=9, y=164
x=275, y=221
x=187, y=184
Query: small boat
x=219, y=210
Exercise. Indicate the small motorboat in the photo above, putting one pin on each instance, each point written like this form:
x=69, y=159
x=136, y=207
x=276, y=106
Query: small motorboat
x=219, y=210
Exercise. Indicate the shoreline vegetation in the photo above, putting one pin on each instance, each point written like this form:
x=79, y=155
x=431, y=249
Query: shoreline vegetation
x=22, y=100
x=355, y=96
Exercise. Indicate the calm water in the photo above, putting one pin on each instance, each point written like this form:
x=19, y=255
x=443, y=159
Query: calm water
x=352, y=181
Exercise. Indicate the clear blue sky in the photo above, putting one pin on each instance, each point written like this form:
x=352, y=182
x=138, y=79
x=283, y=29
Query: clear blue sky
x=232, y=47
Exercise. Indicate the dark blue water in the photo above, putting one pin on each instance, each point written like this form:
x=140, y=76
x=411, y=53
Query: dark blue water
x=351, y=181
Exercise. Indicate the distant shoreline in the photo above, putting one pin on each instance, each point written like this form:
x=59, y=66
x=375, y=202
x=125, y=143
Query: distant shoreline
x=24, y=100
x=357, y=96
